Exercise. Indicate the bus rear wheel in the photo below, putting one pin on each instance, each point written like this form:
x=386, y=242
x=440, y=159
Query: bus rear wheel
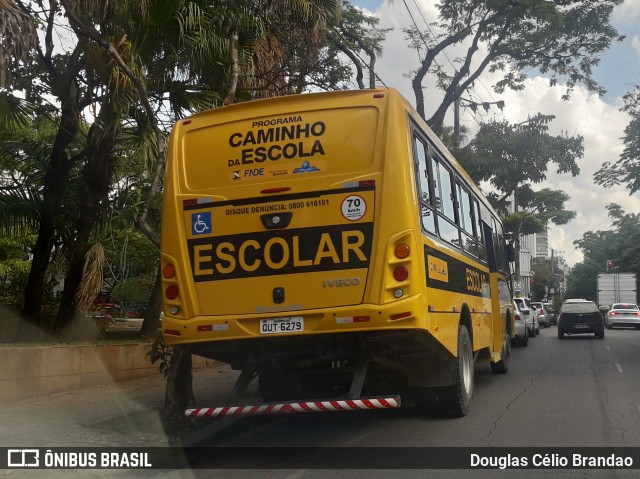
x=454, y=400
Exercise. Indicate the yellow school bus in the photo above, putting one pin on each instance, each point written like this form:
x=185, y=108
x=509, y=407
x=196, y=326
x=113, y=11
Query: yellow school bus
x=330, y=246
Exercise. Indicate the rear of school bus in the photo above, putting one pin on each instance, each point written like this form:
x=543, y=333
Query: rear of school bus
x=291, y=242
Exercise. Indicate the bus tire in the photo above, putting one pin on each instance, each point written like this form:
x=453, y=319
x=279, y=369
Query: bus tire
x=502, y=366
x=454, y=400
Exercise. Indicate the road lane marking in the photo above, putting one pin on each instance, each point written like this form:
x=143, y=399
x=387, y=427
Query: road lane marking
x=619, y=367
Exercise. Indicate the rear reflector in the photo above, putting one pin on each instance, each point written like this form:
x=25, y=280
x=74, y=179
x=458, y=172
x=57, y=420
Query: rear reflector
x=395, y=317
x=295, y=407
x=205, y=327
x=352, y=319
x=171, y=332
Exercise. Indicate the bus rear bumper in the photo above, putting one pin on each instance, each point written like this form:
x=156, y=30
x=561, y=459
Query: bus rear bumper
x=408, y=313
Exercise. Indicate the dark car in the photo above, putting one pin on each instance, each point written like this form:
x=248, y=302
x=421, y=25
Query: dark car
x=580, y=317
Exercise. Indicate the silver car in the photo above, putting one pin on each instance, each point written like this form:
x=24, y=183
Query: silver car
x=623, y=314
x=524, y=307
x=542, y=314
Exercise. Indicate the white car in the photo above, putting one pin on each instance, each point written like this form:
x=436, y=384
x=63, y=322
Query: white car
x=520, y=318
x=623, y=314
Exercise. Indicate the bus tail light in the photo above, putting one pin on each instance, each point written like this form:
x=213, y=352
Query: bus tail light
x=402, y=251
x=171, y=289
x=168, y=271
x=400, y=273
x=171, y=292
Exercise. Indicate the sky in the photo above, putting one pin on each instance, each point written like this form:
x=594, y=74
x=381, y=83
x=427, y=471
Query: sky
x=597, y=119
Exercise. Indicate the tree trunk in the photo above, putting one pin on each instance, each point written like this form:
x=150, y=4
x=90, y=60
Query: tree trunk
x=234, y=69
x=96, y=179
x=56, y=181
x=179, y=393
x=151, y=321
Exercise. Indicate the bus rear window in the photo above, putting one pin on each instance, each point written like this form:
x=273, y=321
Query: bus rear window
x=270, y=148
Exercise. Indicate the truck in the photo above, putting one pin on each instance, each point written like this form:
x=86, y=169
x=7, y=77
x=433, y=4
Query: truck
x=616, y=288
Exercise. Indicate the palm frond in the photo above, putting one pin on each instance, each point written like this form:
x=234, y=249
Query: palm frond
x=15, y=113
x=18, y=37
x=91, y=283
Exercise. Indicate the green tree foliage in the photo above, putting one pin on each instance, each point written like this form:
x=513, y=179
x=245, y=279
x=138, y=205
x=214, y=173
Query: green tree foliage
x=511, y=157
x=626, y=170
x=139, y=67
x=547, y=277
x=359, y=38
x=560, y=39
x=619, y=244
x=582, y=281
x=14, y=268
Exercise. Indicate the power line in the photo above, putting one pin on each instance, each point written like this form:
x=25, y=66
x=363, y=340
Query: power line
x=426, y=44
x=435, y=38
x=493, y=100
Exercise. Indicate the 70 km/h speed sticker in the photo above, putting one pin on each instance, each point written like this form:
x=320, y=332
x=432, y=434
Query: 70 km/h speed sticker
x=354, y=207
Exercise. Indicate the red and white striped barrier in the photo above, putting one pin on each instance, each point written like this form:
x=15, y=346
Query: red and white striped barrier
x=295, y=407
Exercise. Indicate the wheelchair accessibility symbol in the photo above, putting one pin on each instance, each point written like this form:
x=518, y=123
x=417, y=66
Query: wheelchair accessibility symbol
x=201, y=223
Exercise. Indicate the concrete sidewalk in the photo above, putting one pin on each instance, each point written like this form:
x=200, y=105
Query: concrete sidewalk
x=110, y=415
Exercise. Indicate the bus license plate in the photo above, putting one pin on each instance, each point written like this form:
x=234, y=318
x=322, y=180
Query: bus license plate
x=294, y=324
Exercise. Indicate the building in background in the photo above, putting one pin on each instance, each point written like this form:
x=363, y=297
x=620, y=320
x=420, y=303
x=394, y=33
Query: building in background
x=524, y=273
x=542, y=244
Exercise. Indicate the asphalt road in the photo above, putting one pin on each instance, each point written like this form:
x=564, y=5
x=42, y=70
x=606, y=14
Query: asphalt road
x=577, y=392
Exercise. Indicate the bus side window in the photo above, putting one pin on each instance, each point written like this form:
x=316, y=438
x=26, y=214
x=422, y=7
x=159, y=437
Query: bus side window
x=477, y=230
x=464, y=204
x=422, y=173
x=499, y=246
x=444, y=200
x=465, y=214
x=446, y=204
x=503, y=260
x=490, y=246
